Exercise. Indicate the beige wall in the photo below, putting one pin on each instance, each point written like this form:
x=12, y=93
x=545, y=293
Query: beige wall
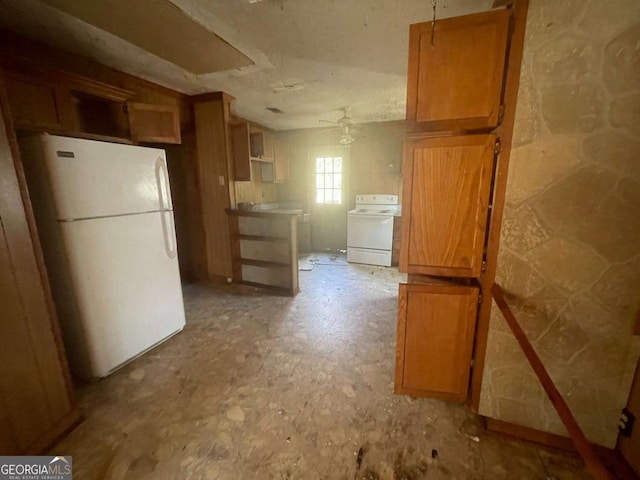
x=570, y=247
x=373, y=166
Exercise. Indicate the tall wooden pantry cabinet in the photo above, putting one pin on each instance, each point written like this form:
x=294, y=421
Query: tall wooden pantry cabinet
x=455, y=102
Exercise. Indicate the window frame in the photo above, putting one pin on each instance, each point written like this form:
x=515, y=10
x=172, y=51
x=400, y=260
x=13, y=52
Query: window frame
x=320, y=176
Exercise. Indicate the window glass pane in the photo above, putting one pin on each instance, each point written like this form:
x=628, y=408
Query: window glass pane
x=319, y=195
x=337, y=180
x=319, y=180
x=328, y=180
x=337, y=164
x=328, y=164
x=337, y=194
x=320, y=164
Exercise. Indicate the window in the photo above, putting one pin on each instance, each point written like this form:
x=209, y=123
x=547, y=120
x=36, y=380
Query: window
x=329, y=180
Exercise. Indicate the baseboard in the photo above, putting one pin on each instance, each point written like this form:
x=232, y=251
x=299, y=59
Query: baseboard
x=612, y=459
x=529, y=434
x=64, y=427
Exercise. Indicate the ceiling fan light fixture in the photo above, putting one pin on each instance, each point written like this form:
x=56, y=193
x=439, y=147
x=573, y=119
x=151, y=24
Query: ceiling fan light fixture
x=346, y=140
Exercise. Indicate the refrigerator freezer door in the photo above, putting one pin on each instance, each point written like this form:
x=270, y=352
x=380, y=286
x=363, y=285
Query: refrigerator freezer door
x=127, y=286
x=96, y=179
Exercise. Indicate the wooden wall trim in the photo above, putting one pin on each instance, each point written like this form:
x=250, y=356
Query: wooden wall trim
x=505, y=133
x=529, y=434
x=612, y=459
x=211, y=97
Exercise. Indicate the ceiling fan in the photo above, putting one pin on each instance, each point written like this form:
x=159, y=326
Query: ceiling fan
x=345, y=124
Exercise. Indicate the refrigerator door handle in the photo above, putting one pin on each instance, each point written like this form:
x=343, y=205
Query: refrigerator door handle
x=167, y=233
x=162, y=180
x=168, y=228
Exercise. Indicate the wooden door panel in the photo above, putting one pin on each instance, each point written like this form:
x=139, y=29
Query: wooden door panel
x=446, y=197
x=35, y=103
x=455, y=83
x=154, y=123
x=241, y=153
x=436, y=324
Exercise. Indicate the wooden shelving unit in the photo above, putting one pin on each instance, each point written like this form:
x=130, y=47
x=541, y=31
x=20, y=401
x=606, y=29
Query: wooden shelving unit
x=264, y=249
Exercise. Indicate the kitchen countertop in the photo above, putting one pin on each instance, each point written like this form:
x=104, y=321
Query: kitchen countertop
x=259, y=213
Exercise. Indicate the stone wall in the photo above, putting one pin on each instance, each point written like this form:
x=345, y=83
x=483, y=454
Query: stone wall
x=570, y=248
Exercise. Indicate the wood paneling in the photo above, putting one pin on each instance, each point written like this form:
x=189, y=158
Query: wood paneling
x=445, y=205
x=435, y=337
x=213, y=171
x=455, y=75
x=35, y=391
x=374, y=161
x=185, y=195
x=373, y=167
x=256, y=191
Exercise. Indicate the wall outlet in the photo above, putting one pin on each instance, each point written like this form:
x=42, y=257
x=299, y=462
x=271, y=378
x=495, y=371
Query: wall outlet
x=625, y=425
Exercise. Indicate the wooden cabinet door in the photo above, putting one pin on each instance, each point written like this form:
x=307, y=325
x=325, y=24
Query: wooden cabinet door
x=154, y=123
x=436, y=325
x=241, y=153
x=261, y=146
x=447, y=184
x=455, y=82
x=280, y=162
x=38, y=104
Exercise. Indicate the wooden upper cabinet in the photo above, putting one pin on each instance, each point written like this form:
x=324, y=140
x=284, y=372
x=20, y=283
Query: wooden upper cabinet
x=455, y=75
x=154, y=123
x=280, y=162
x=261, y=146
x=436, y=325
x=241, y=153
x=446, y=190
x=36, y=103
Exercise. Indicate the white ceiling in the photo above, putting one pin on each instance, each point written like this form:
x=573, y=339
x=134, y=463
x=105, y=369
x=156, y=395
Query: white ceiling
x=311, y=57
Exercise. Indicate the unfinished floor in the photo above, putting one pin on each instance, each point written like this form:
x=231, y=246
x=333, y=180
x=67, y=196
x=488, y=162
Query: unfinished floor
x=266, y=387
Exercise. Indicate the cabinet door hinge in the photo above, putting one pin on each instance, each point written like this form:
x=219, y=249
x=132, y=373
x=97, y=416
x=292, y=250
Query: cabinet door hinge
x=500, y=112
x=483, y=266
x=496, y=147
x=479, y=298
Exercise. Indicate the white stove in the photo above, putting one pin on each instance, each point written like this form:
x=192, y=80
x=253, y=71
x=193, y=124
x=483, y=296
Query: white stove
x=370, y=229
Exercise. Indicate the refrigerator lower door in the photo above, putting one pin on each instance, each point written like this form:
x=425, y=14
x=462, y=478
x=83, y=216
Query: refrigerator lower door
x=127, y=286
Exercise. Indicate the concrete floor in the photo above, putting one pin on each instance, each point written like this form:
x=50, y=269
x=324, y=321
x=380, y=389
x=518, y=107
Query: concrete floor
x=266, y=387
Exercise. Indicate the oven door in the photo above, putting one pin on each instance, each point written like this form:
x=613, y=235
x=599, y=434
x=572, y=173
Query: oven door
x=370, y=231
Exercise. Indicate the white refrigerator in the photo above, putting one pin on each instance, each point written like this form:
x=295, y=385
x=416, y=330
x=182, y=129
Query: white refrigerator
x=105, y=219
